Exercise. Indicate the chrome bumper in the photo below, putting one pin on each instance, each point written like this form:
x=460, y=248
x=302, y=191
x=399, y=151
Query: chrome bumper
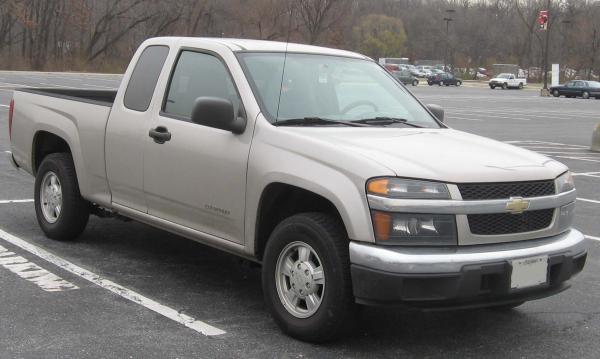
x=411, y=260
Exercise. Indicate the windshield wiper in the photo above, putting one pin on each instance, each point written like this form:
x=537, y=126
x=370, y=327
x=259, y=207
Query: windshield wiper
x=383, y=121
x=312, y=121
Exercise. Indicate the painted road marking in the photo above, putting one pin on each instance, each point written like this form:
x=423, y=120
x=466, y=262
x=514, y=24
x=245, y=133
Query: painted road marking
x=3, y=105
x=588, y=200
x=118, y=289
x=7, y=152
x=592, y=237
x=9, y=201
x=49, y=282
x=543, y=147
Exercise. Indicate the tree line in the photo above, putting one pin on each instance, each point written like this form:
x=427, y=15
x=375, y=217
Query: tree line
x=101, y=35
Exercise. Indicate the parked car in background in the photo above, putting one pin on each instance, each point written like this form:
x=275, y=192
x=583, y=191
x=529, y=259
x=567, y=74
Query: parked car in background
x=444, y=79
x=406, y=77
x=577, y=88
x=506, y=81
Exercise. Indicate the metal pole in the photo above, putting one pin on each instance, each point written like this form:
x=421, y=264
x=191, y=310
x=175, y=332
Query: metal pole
x=547, y=47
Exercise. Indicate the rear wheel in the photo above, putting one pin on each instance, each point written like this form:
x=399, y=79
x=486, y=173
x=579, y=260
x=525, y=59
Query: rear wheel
x=441, y=83
x=306, y=277
x=520, y=85
x=585, y=95
x=415, y=82
x=430, y=83
x=60, y=210
x=458, y=83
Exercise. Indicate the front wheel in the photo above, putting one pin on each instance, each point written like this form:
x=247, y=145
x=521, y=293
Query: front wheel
x=430, y=83
x=556, y=93
x=415, y=82
x=492, y=87
x=306, y=277
x=504, y=86
x=60, y=210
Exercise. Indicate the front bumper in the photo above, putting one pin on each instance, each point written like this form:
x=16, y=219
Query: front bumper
x=466, y=276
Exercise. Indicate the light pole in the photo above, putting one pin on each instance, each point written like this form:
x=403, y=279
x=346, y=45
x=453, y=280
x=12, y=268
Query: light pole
x=447, y=19
x=547, y=47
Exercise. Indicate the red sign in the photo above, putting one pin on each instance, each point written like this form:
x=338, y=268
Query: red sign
x=543, y=18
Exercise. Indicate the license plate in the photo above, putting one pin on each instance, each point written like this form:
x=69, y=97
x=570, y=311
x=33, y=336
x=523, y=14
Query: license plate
x=529, y=272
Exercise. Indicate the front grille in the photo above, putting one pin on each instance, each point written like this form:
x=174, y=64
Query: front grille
x=506, y=223
x=474, y=191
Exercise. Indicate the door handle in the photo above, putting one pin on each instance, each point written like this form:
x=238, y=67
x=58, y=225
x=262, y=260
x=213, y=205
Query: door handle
x=160, y=134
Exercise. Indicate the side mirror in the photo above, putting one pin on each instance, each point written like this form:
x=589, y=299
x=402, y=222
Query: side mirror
x=437, y=111
x=218, y=113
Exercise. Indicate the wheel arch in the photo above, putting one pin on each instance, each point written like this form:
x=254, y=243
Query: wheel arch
x=281, y=200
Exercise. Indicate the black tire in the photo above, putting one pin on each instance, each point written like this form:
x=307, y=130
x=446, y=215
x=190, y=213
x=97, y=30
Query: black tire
x=441, y=83
x=555, y=93
x=430, y=83
x=506, y=307
x=585, y=95
x=493, y=87
x=458, y=83
x=504, y=86
x=520, y=85
x=415, y=82
x=75, y=211
x=337, y=310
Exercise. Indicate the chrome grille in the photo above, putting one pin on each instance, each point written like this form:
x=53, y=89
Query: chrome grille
x=506, y=223
x=505, y=190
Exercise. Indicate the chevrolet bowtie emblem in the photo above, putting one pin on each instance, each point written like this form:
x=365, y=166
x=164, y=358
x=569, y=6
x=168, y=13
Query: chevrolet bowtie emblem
x=516, y=205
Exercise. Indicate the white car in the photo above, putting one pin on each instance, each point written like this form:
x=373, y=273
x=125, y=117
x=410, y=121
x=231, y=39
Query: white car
x=506, y=81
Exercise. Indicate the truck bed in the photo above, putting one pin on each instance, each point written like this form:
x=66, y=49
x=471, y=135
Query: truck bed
x=97, y=97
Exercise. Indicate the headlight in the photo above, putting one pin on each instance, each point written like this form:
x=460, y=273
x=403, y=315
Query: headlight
x=414, y=229
x=564, y=183
x=407, y=188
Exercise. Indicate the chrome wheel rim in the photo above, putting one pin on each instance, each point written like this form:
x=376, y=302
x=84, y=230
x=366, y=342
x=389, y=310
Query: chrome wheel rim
x=300, y=279
x=51, y=197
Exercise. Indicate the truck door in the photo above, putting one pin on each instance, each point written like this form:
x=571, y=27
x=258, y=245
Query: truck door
x=129, y=117
x=197, y=178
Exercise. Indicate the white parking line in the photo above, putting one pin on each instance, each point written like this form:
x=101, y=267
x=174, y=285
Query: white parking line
x=135, y=297
x=464, y=118
x=9, y=201
x=33, y=273
x=592, y=237
x=588, y=200
x=3, y=105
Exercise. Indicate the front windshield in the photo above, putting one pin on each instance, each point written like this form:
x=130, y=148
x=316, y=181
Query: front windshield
x=330, y=87
x=504, y=76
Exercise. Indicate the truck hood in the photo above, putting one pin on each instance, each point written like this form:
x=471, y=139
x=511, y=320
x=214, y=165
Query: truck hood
x=440, y=154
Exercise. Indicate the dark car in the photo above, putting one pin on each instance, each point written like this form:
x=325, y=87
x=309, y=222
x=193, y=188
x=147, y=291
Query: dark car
x=577, y=88
x=406, y=77
x=444, y=79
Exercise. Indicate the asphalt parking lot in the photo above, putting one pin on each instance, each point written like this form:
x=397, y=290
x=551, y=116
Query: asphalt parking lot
x=126, y=290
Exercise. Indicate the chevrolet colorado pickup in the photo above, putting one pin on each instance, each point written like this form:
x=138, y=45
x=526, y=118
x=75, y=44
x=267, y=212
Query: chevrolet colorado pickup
x=315, y=163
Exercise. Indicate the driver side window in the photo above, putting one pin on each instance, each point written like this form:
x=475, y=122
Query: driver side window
x=198, y=75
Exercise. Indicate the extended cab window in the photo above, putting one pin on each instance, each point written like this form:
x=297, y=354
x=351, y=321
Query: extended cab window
x=144, y=78
x=198, y=75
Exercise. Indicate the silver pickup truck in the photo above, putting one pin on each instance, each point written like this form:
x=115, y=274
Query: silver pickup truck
x=315, y=163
